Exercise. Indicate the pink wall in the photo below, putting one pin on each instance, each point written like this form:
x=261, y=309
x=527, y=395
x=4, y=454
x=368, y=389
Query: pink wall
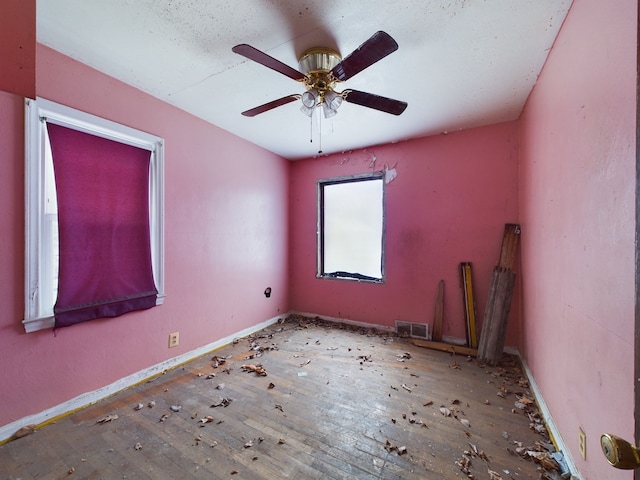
x=577, y=194
x=226, y=222
x=449, y=204
x=18, y=47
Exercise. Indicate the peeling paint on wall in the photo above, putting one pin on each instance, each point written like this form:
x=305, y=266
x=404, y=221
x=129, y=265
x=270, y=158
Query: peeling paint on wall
x=390, y=174
x=372, y=159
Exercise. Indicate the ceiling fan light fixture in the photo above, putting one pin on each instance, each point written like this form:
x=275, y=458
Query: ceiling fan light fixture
x=309, y=102
x=328, y=111
x=332, y=100
x=309, y=98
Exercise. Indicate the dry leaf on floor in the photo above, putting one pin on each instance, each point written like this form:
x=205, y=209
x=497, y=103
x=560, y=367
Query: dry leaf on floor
x=217, y=361
x=306, y=362
x=445, y=411
x=108, y=418
x=406, y=388
x=465, y=422
x=219, y=401
x=271, y=385
x=494, y=475
x=544, y=459
x=526, y=400
x=257, y=369
x=24, y=431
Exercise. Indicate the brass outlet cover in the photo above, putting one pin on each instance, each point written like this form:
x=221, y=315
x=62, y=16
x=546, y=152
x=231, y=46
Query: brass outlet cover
x=582, y=443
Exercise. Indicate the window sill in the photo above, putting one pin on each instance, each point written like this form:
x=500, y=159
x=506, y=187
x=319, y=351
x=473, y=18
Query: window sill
x=352, y=279
x=42, y=323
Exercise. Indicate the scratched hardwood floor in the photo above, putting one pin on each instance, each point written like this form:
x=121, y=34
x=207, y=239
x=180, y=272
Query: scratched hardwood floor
x=337, y=402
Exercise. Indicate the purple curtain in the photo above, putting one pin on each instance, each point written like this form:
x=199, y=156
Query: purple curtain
x=105, y=265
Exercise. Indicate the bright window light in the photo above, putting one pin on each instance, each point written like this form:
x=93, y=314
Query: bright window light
x=351, y=228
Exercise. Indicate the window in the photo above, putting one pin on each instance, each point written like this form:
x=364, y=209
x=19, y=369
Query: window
x=351, y=227
x=41, y=203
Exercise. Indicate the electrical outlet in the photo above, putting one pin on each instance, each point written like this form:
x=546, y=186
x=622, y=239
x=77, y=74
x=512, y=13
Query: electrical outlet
x=582, y=443
x=174, y=339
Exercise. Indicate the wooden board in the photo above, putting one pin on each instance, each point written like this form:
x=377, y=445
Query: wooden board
x=509, y=246
x=469, y=305
x=494, y=327
x=446, y=347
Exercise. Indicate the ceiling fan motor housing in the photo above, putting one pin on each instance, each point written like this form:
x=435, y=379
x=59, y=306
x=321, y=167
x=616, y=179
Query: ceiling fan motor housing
x=316, y=63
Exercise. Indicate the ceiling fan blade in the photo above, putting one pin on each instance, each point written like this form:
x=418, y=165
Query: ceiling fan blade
x=271, y=105
x=384, y=104
x=376, y=48
x=262, y=58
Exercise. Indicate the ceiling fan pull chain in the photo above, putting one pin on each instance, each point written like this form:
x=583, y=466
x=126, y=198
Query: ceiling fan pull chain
x=319, y=134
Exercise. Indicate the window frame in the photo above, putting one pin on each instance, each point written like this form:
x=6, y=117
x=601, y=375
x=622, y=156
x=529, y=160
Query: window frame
x=320, y=273
x=37, y=113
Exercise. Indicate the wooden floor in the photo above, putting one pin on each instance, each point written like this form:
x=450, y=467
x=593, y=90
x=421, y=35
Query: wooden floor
x=337, y=402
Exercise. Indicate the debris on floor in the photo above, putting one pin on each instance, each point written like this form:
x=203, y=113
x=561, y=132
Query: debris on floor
x=411, y=399
x=257, y=369
x=24, y=431
x=217, y=361
x=394, y=448
x=108, y=418
x=219, y=401
x=401, y=357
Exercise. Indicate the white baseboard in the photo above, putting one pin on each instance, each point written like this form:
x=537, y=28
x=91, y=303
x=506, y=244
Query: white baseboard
x=89, y=398
x=551, y=426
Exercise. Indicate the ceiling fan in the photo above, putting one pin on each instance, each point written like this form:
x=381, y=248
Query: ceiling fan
x=321, y=69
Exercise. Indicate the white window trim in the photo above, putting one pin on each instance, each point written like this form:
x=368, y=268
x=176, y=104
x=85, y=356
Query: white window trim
x=37, y=317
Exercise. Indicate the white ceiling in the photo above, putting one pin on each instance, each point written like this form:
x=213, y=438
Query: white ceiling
x=460, y=63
